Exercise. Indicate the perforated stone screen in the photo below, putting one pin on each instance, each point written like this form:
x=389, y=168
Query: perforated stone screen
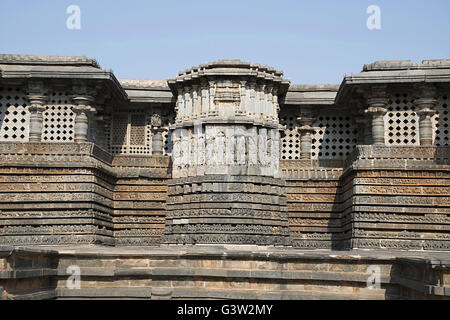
x=441, y=122
x=290, y=138
x=58, y=118
x=334, y=137
x=14, y=115
x=129, y=133
x=401, y=121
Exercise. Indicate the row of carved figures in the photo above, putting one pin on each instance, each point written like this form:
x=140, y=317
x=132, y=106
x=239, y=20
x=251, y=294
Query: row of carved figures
x=225, y=147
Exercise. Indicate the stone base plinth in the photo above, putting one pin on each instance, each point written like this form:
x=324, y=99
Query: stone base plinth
x=226, y=210
x=220, y=272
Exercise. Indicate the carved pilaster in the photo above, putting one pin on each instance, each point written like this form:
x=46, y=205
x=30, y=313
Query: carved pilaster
x=275, y=105
x=243, y=93
x=426, y=103
x=305, y=129
x=179, y=108
x=205, y=98
x=82, y=110
x=212, y=92
x=252, y=97
x=188, y=103
x=37, y=101
x=377, y=103
x=157, y=138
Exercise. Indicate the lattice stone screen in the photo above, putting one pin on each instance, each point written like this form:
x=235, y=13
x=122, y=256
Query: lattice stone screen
x=334, y=137
x=130, y=133
x=14, y=115
x=441, y=122
x=401, y=121
x=290, y=138
x=58, y=119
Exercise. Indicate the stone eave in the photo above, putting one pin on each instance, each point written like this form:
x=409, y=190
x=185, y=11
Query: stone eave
x=395, y=72
x=151, y=96
x=311, y=94
x=15, y=71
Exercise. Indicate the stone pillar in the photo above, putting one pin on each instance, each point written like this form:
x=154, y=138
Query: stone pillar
x=157, y=139
x=82, y=110
x=37, y=107
x=37, y=101
x=425, y=103
x=305, y=130
x=377, y=109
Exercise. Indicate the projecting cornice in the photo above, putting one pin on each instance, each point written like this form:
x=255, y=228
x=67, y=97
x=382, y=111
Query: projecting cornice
x=394, y=72
x=17, y=67
x=311, y=94
x=230, y=68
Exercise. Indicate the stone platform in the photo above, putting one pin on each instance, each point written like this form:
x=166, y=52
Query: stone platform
x=220, y=272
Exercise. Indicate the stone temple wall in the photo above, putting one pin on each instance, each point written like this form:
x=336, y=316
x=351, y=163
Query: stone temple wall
x=226, y=152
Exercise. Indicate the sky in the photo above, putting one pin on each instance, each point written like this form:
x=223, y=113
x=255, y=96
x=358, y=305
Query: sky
x=311, y=41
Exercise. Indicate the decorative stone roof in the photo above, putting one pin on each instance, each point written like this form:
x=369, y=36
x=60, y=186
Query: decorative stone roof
x=230, y=68
x=47, y=60
x=143, y=84
x=406, y=65
x=313, y=87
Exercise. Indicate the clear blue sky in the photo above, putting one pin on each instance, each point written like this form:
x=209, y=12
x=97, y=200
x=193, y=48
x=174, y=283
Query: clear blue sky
x=311, y=41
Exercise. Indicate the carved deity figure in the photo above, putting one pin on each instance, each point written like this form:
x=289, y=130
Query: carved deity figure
x=184, y=151
x=262, y=146
x=241, y=151
x=220, y=148
x=192, y=152
x=176, y=156
x=252, y=151
x=209, y=149
x=201, y=150
x=230, y=143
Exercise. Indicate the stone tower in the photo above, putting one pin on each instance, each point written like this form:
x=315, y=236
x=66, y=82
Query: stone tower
x=226, y=186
